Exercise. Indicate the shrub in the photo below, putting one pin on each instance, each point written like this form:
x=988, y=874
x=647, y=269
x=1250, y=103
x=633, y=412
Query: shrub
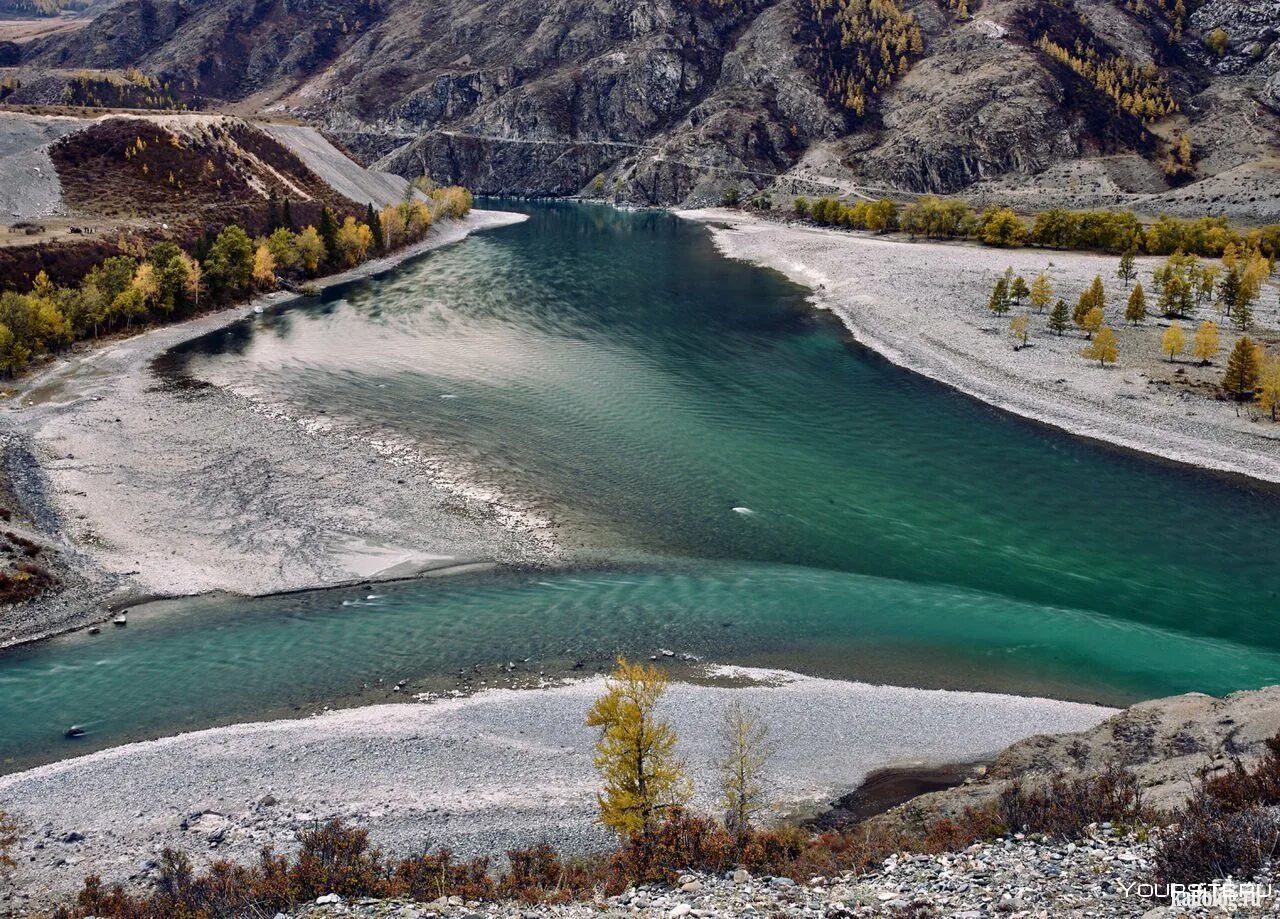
x=425, y=877
x=8, y=839
x=1211, y=842
x=1064, y=807
x=1239, y=787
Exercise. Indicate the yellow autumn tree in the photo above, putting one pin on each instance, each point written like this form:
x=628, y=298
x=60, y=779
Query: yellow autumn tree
x=1092, y=321
x=1103, y=348
x=1269, y=385
x=636, y=755
x=354, y=241
x=1041, y=293
x=1207, y=342
x=1018, y=328
x=311, y=250
x=1173, y=342
x=264, y=267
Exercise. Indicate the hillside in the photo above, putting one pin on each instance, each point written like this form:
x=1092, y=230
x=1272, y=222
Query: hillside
x=91, y=186
x=1084, y=101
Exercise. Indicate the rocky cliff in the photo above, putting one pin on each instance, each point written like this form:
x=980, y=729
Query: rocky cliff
x=675, y=100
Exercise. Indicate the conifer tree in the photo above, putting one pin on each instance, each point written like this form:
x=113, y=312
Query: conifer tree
x=1241, y=376
x=1127, y=271
x=1019, y=290
x=1018, y=328
x=1269, y=385
x=1000, y=302
x=328, y=231
x=1041, y=292
x=636, y=754
x=1093, y=321
x=1103, y=348
x=1060, y=318
x=1173, y=342
x=1136, y=310
x=286, y=216
x=1205, y=346
x=745, y=753
x=375, y=227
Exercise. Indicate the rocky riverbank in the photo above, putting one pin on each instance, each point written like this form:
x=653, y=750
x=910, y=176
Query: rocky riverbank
x=169, y=489
x=495, y=770
x=1103, y=876
x=922, y=305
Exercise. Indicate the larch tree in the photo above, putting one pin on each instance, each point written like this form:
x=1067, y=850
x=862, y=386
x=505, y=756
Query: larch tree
x=1207, y=342
x=1093, y=321
x=636, y=755
x=1041, y=292
x=1269, y=385
x=1060, y=318
x=1094, y=297
x=1019, y=290
x=1019, y=328
x=1103, y=348
x=1127, y=270
x=1136, y=309
x=745, y=753
x=1173, y=342
x=1000, y=302
x=1241, y=376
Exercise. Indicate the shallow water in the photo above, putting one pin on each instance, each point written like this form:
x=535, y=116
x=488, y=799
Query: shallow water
x=755, y=487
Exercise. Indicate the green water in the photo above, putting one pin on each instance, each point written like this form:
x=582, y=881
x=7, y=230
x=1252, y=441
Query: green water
x=755, y=488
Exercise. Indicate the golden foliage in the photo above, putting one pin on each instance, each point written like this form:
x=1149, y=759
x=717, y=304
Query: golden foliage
x=1174, y=341
x=643, y=776
x=1139, y=90
x=1103, y=348
x=857, y=48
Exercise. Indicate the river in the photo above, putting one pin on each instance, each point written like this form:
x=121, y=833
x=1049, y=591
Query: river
x=741, y=481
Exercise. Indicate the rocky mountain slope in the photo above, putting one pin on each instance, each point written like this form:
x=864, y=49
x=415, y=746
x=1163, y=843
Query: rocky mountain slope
x=670, y=100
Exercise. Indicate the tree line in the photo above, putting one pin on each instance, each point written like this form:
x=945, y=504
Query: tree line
x=1057, y=228
x=165, y=282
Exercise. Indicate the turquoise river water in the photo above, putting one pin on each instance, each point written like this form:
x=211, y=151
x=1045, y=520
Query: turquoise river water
x=755, y=489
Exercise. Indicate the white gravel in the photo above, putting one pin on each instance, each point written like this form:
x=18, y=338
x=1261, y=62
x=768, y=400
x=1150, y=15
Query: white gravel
x=345, y=176
x=478, y=773
x=923, y=306
x=29, y=186
x=181, y=492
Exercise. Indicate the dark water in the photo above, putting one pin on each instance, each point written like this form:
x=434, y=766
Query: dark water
x=764, y=490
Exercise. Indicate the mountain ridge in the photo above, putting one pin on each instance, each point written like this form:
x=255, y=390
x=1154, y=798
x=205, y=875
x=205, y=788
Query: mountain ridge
x=670, y=101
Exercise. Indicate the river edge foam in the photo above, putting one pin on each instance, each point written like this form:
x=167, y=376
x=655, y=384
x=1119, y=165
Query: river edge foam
x=821, y=260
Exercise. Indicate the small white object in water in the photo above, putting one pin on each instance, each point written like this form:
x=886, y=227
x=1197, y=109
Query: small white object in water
x=447, y=395
x=743, y=510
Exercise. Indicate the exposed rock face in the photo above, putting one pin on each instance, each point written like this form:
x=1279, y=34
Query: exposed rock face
x=676, y=100
x=1167, y=743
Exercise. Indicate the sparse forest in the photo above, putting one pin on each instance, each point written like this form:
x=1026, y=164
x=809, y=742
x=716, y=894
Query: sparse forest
x=857, y=48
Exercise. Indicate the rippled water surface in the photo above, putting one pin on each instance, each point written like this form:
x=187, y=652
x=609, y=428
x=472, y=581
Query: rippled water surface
x=759, y=488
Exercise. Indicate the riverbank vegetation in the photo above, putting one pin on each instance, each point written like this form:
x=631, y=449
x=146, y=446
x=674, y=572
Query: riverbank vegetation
x=1116, y=232
x=1224, y=830
x=1183, y=285
x=164, y=282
